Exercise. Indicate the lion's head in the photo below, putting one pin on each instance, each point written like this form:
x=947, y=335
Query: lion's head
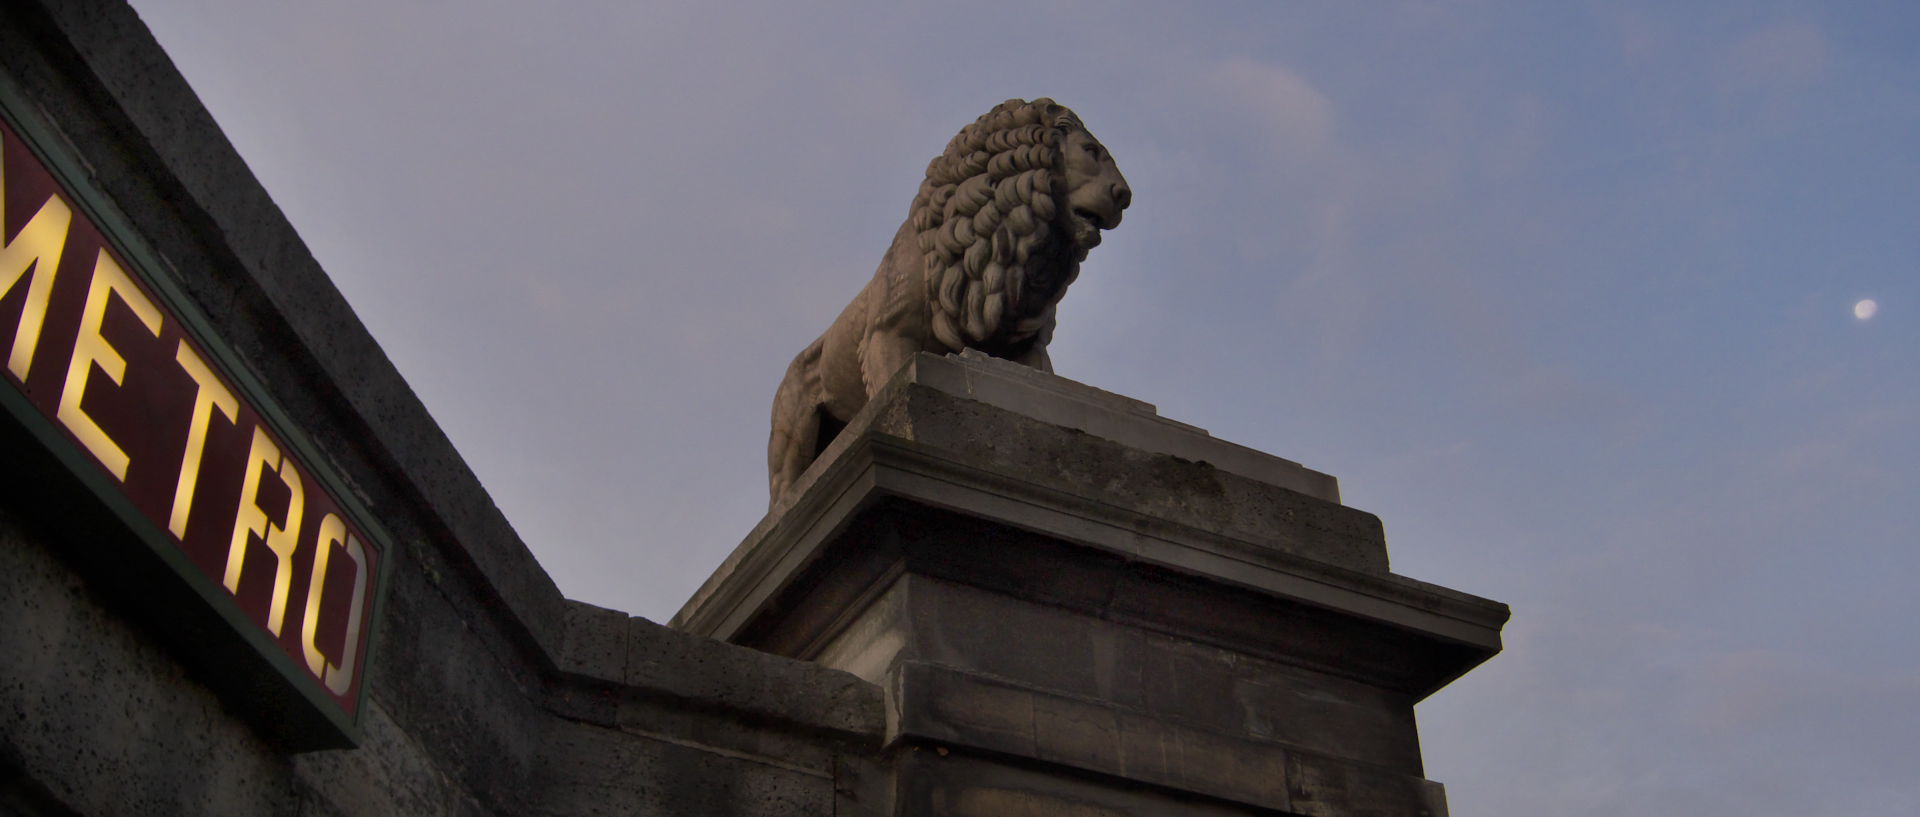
x=1005, y=217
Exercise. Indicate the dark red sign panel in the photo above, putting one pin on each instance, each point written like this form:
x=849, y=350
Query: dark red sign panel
x=102, y=358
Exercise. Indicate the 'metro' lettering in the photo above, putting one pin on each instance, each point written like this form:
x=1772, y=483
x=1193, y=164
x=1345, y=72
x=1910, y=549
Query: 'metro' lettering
x=118, y=372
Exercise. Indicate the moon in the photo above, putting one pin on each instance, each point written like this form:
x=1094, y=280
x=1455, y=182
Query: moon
x=1865, y=309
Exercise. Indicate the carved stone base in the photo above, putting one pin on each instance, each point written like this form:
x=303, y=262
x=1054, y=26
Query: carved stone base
x=1078, y=607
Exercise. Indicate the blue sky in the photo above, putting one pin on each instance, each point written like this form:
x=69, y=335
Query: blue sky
x=1562, y=291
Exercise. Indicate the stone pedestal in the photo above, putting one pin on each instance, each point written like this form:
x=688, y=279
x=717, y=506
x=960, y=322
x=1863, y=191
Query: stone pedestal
x=1077, y=607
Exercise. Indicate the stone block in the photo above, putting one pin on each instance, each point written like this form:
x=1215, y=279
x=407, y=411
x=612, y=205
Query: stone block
x=1077, y=607
x=1321, y=787
x=1062, y=402
x=960, y=783
x=595, y=645
x=590, y=772
x=945, y=708
x=716, y=675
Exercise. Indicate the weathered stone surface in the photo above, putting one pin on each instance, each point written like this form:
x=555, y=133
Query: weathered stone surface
x=1061, y=402
x=1324, y=788
x=102, y=716
x=929, y=447
x=482, y=680
x=753, y=683
x=1168, y=489
x=946, y=707
x=1148, y=670
x=959, y=783
x=384, y=776
x=596, y=643
x=595, y=771
x=1036, y=597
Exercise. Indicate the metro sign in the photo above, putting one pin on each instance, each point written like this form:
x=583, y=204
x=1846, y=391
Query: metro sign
x=126, y=386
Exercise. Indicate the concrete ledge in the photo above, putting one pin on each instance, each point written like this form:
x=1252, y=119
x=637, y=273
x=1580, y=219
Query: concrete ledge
x=1178, y=678
x=643, y=658
x=1058, y=401
x=874, y=467
x=926, y=436
x=965, y=783
x=1078, y=469
x=948, y=707
x=593, y=771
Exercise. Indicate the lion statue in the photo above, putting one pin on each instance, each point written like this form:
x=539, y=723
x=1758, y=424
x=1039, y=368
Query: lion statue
x=993, y=238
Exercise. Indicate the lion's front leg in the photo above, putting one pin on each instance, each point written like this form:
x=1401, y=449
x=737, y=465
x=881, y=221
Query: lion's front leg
x=882, y=356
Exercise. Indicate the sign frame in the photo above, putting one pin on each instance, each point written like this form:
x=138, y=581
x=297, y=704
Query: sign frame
x=323, y=724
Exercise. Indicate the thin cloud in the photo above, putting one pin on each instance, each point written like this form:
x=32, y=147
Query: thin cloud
x=1296, y=120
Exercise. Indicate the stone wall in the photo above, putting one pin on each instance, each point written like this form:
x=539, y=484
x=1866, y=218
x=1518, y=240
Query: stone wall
x=490, y=693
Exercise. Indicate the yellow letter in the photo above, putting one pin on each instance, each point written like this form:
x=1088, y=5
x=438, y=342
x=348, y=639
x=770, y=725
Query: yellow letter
x=337, y=677
x=36, y=248
x=209, y=395
x=281, y=539
x=89, y=349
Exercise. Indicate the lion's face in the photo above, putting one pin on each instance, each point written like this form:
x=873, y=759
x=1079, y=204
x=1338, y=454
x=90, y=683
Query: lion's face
x=1096, y=192
x=1003, y=219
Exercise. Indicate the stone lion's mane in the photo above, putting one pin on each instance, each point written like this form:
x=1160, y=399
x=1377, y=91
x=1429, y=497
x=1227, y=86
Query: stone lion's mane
x=985, y=220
